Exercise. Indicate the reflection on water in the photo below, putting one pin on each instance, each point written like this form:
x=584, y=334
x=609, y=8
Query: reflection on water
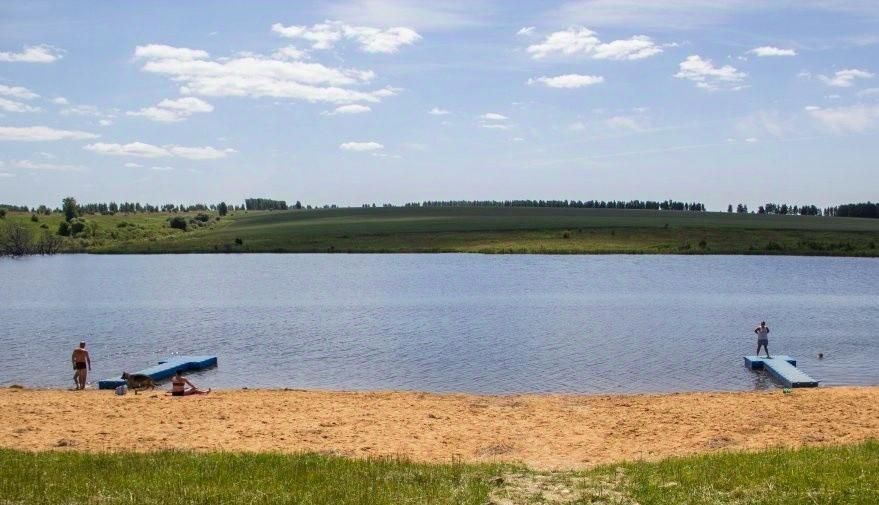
x=489, y=324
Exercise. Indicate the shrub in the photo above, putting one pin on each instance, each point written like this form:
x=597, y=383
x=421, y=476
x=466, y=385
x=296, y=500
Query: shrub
x=122, y=224
x=204, y=218
x=64, y=229
x=44, y=226
x=566, y=234
x=77, y=226
x=703, y=244
x=238, y=241
x=774, y=246
x=177, y=222
x=34, y=218
x=2, y=213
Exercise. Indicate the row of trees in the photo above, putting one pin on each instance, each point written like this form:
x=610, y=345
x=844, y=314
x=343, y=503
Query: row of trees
x=869, y=209
x=265, y=204
x=575, y=204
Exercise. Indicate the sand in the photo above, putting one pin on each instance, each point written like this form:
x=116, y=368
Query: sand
x=542, y=431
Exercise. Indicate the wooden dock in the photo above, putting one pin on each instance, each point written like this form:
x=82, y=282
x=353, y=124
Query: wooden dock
x=783, y=369
x=166, y=368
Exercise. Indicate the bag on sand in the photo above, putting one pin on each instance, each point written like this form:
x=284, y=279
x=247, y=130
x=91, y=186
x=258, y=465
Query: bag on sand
x=121, y=390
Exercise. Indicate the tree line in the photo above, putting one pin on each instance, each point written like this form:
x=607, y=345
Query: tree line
x=574, y=204
x=868, y=209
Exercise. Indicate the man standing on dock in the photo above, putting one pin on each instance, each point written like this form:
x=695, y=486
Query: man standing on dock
x=82, y=365
x=762, y=332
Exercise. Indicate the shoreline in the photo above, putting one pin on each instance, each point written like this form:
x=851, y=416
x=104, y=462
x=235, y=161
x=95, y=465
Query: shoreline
x=545, y=431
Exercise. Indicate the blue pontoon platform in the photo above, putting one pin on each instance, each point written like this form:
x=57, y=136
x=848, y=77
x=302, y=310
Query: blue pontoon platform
x=166, y=368
x=783, y=369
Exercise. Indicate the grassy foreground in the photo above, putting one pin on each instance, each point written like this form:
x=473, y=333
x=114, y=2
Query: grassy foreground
x=836, y=475
x=480, y=230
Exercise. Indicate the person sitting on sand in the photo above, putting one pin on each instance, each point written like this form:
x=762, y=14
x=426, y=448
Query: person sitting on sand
x=762, y=332
x=179, y=383
x=82, y=364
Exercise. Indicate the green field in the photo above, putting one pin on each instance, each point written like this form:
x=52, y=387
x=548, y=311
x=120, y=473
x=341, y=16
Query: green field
x=838, y=475
x=480, y=230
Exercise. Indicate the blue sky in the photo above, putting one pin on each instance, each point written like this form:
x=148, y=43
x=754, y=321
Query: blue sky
x=358, y=101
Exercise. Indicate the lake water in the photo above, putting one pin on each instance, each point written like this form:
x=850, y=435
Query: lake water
x=473, y=323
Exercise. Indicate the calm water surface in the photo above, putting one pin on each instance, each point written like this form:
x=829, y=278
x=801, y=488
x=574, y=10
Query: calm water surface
x=486, y=324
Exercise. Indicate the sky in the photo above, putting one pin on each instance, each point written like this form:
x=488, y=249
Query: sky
x=362, y=101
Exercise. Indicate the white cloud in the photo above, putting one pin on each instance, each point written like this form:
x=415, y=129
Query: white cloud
x=60, y=100
x=436, y=111
x=707, y=76
x=290, y=53
x=162, y=169
x=87, y=110
x=143, y=150
x=768, y=122
x=33, y=54
x=418, y=14
x=568, y=81
x=850, y=119
x=105, y=122
x=132, y=164
x=13, y=106
x=493, y=116
x=494, y=126
x=751, y=140
x=578, y=40
x=624, y=123
x=54, y=167
x=41, y=133
x=173, y=110
x=348, y=109
x=163, y=52
x=259, y=76
x=845, y=78
x=764, y=51
x=17, y=92
x=361, y=146
x=577, y=126
x=527, y=30
x=372, y=40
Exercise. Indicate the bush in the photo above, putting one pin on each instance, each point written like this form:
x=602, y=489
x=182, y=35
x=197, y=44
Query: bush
x=238, y=241
x=2, y=213
x=177, y=222
x=34, y=218
x=566, y=234
x=703, y=244
x=77, y=226
x=204, y=218
x=122, y=224
x=64, y=229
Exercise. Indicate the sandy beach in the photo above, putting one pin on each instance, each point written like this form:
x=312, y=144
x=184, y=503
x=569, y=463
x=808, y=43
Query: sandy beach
x=542, y=431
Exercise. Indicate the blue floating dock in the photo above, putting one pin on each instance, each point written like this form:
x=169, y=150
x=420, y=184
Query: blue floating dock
x=783, y=369
x=166, y=368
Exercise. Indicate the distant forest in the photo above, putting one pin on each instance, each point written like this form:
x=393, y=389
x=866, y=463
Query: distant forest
x=862, y=210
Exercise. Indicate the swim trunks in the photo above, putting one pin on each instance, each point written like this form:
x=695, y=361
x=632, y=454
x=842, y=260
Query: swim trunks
x=177, y=393
x=79, y=365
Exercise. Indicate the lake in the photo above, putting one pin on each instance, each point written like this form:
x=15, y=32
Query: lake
x=471, y=323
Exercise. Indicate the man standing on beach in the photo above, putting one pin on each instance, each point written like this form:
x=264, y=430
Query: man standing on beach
x=82, y=365
x=762, y=332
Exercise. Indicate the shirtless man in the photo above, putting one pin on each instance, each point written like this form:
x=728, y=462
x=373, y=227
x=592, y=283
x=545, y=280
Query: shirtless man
x=762, y=332
x=82, y=365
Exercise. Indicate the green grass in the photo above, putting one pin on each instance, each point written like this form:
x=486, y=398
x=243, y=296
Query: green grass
x=485, y=230
x=846, y=475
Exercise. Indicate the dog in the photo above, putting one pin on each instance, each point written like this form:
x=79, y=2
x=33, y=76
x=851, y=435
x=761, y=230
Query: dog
x=138, y=381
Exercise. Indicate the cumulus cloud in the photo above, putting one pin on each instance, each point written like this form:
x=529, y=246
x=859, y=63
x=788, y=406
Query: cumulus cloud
x=372, y=40
x=707, y=76
x=625, y=123
x=436, y=111
x=361, y=146
x=33, y=54
x=170, y=111
x=494, y=126
x=143, y=150
x=493, y=116
x=578, y=40
x=17, y=92
x=41, y=133
x=849, y=119
x=348, y=109
x=14, y=106
x=764, y=51
x=845, y=78
x=132, y=164
x=290, y=53
x=161, y=168
x=568, y=81
x=526, y=30
x=60, y=100
x=254, y=75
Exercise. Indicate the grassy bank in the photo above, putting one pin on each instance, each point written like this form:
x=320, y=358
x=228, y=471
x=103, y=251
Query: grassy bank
x=481, y=230
x=838, y=475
